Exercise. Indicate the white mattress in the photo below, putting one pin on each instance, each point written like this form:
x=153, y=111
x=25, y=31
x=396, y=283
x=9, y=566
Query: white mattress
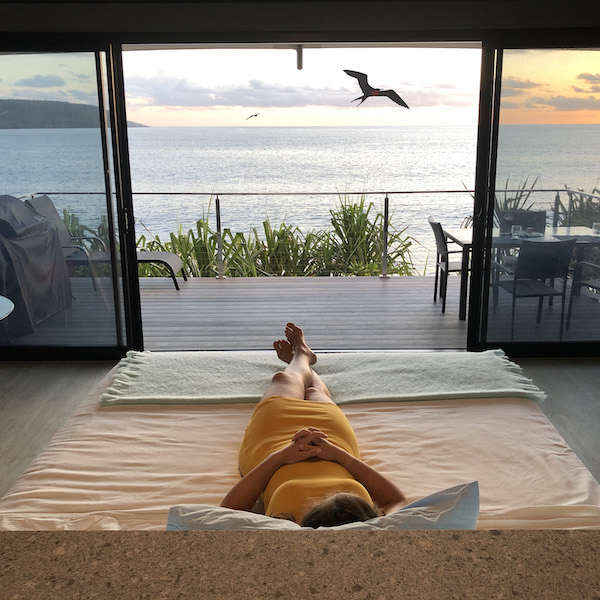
x=123, y=467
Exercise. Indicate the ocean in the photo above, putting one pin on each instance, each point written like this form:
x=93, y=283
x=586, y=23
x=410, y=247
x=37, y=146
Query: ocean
x=269, y=165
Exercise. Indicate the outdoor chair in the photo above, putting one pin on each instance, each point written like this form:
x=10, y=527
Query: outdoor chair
x=579, y=282
x=536, y=219
x=443, y=264
x=504, y=260
x=537, y=262
x=76, y=249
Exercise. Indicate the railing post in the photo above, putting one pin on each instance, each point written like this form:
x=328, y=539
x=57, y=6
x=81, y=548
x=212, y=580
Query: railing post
x=556, y=209
x=570, y=208
x=219, y=239
x=386, y=214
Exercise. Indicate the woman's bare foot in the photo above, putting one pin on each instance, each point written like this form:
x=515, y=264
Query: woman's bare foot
x=284, y=350
x=295, y=337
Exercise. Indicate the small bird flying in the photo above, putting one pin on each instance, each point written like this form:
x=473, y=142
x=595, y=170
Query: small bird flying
x=255, y=115
x=369, y=91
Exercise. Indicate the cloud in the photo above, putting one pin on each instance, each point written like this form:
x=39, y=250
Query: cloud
x=508, y=93
x=514, y=86
x=174, y=92
x=564, y=103
x=589, y=77
x=84, y=97
x=515, y=83
x=42, y=81
x=594, y=89
x=507, y=105
x=82, y=76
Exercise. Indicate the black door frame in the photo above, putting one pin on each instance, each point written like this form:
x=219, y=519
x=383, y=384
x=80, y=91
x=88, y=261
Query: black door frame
x=493, y=43
x=483, y=213
x=115, y=109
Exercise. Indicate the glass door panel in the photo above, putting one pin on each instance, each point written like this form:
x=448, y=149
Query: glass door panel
x=546, y=192
x=58, y=254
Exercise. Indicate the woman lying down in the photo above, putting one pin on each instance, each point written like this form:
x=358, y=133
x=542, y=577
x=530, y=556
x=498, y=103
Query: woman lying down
x=300, y=452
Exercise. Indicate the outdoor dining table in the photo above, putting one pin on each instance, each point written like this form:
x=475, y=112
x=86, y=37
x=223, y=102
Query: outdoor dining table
x=464, y=238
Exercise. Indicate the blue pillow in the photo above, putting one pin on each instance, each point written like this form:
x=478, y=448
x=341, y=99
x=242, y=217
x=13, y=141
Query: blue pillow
x=454, y=508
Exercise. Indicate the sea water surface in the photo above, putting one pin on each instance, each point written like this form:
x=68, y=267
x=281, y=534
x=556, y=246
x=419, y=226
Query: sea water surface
x=296, y=174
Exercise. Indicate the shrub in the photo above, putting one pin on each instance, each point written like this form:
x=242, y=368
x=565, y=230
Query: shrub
x=353, y=245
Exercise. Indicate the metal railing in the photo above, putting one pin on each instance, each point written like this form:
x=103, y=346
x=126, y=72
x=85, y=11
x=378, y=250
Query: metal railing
x=385, y=212
x=576, y=200
x=563, y=210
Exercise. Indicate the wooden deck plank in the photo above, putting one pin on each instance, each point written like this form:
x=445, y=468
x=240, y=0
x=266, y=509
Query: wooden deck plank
x=338, y=313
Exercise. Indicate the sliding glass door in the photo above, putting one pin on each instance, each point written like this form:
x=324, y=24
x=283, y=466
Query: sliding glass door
x=542, y=231
x=59, y=245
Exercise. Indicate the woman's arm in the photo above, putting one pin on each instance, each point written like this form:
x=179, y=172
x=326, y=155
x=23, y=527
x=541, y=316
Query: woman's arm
x=244, y=494
x=386, y=494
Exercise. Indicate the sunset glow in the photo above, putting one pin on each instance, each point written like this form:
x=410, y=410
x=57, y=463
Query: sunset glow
x=551, y=87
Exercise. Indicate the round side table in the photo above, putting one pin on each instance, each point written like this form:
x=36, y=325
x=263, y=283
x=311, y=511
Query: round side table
x=6, y=307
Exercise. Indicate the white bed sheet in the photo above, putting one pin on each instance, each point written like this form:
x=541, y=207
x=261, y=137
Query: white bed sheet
x=124, y=467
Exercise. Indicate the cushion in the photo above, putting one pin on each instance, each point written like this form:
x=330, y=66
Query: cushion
x=453, y=508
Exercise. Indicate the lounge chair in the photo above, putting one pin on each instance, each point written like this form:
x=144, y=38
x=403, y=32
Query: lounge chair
x=76, y=248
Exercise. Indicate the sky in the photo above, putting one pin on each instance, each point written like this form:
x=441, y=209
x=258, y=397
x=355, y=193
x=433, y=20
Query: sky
x=223, y=87
x=550, y=87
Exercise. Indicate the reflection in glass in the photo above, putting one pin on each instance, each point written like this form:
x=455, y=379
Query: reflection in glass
x=547, y=168
x=55, y=239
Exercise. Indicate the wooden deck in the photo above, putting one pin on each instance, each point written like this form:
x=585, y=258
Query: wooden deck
x=353, y=313
x=357, y=313
x=337, y=313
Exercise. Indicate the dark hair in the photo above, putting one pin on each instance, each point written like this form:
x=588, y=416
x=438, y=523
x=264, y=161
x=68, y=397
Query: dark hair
x=339, y=509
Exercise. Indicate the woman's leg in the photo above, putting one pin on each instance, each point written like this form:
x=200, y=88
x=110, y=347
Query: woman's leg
x=297, y=376
x=316, y=391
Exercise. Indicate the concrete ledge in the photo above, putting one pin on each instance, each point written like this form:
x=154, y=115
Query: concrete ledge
x=262, y=564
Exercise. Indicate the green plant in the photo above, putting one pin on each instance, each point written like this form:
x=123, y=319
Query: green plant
x=197, y=249
x=515, y=199
x=356, y=244
x=285, y=250
x=97, y=240
x=585, y=210
x=508, y=199
x=353, y=245
x=584, y=207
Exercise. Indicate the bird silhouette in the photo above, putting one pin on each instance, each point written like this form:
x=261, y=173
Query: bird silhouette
x=369, y=91
x=256, y=115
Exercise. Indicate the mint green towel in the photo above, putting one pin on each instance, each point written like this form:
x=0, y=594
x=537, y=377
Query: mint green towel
x=220, y=377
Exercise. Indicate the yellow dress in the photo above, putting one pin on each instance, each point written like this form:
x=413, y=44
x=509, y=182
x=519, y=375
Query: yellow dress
x=294, y=489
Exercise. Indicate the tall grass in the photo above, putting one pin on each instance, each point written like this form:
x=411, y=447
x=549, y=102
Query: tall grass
x=357, y=242
x=515, y=199
x=352, y=245
x=584, y=207
x=197, y=249
x=509, y=199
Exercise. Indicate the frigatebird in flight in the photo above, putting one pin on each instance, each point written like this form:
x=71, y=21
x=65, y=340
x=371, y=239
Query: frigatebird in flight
x=369, y=91
x=255, y=115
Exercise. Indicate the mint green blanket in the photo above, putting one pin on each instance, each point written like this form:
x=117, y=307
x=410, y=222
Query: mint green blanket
x=234, y=377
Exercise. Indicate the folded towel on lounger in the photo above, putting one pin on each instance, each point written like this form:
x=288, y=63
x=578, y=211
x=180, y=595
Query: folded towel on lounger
x=219, y=377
